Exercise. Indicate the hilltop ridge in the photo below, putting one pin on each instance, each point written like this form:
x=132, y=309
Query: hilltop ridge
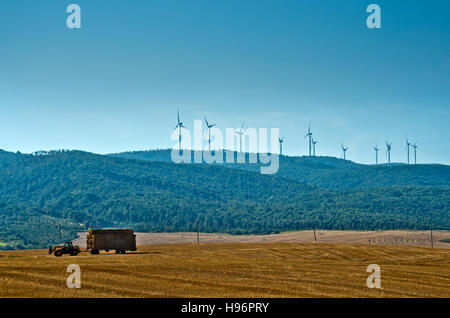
x=333, y=173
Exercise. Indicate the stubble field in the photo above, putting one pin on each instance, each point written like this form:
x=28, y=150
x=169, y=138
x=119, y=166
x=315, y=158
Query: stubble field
x=232, y=270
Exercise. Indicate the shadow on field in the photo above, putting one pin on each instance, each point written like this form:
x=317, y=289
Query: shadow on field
x=143, y=253
x=127, y=253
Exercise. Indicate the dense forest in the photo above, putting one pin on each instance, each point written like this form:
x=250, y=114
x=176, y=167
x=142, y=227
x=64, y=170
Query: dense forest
x=146, y=192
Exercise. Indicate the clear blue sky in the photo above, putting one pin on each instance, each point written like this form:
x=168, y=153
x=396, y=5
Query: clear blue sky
x=115, y=85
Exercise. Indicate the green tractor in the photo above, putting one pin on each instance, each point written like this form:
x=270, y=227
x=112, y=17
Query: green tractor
x=66, y=248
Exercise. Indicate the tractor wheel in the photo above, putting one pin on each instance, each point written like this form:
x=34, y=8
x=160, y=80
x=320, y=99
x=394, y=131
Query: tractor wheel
x=58, y=253
x=74, y=252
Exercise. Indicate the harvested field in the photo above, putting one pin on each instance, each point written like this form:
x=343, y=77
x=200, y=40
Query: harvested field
x=232, y=270
x=397, y=238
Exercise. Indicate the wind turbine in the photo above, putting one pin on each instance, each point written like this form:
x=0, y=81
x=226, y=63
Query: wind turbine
x=240, y=133
x=376, y=153
x=314, y=142
x=179, y=126
x=408, y=144
x=389, y=147
x=208, y=129
x=281, y=140
x=344, y=150
x=414, y=145
x=309, y=134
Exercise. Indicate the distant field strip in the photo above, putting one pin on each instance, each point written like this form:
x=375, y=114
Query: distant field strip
x=402, y=238
x=232, y=270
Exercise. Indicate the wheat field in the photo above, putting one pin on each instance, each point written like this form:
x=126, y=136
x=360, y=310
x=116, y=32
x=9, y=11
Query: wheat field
x=232, y=270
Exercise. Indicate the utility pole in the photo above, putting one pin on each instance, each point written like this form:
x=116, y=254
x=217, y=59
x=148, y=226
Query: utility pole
x=59, y=231
x=198, y=237
x=431, y=234
x=315, y=238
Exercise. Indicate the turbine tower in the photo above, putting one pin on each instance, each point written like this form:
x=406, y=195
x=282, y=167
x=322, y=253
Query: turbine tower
x=208, y=130
x=414, y=145
x=344, y=150
x=388, y=151
x=179, y=126
x=408, y=144
x=314, y=142
x=240, y=133
x=376, y=153
x=309, y=134
x=281, y=140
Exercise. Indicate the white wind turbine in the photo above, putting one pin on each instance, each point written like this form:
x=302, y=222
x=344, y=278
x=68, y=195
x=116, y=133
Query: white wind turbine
x=344, y=150
x=281, y=140
x=240, y=132
x=179, y=126
x=208, y=130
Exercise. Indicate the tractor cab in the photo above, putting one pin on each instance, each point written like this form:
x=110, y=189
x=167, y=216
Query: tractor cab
x=67, y=245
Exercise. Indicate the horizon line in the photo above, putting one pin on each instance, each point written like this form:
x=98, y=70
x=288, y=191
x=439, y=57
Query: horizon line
x=34, y=153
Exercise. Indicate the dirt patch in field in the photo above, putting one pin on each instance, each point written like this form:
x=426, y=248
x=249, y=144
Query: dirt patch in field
x=396, y=238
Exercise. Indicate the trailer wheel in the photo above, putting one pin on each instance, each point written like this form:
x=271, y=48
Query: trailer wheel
x=123, y=251
x=95, y=252
x=117, y=251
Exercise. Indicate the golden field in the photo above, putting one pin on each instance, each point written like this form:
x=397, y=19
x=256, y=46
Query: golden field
x=232, y=270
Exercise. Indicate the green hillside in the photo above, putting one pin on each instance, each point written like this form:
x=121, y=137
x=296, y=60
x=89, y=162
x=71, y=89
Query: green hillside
x=81, y=190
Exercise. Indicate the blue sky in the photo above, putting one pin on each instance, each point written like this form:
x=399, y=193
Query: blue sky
x=115, y=84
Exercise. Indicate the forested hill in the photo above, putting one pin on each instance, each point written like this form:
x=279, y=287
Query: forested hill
x=334, y=173
x=81, y=190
